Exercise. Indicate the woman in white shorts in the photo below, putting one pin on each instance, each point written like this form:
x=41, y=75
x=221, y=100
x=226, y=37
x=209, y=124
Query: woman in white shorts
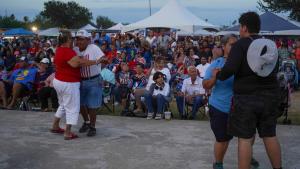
x=67, y=84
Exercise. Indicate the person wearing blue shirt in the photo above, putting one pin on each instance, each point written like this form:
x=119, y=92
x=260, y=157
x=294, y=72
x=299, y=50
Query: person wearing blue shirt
x=220, y=102
x=22, y=79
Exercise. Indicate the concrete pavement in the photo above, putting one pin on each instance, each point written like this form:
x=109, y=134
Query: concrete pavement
x=124, y=143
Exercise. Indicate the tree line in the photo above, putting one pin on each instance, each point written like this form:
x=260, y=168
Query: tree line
x=71, y=15
x=58, y=14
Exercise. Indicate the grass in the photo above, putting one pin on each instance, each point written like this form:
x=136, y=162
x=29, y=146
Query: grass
x=173, y=109
x=293, y=112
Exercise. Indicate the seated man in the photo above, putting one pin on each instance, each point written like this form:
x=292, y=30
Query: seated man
x=44, y=69
x=158, y=94
x=192, y=93
x=21, y=81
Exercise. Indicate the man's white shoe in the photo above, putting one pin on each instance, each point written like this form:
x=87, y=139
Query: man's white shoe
x=150, y=116
x=158, y=117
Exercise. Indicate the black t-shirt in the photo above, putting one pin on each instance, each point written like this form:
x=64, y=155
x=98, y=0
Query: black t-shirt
x=245, y=80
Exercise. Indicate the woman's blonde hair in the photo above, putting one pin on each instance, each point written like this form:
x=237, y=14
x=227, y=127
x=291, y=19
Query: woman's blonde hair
x=64, y=36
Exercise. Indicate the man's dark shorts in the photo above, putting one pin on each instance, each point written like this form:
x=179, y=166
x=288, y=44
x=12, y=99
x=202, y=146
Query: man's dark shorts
x=219, y=124
x=258, y=111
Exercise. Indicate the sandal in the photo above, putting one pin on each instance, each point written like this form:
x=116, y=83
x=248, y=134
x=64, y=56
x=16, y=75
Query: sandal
x=71, y=137
x=57, y=131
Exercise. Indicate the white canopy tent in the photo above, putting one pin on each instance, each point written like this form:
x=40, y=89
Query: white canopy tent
x=222, y=33
x=200, y=32
x=117, y=27
x=172, y=15
x=288, y=32
x=89, y=27
x=49, y=32
x=295, y=32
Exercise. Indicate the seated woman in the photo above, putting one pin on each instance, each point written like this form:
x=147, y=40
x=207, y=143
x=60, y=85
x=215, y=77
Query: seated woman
x=139, y=85
x=157, y=95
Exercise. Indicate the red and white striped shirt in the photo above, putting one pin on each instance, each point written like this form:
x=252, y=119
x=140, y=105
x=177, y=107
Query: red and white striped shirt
x=92, y=52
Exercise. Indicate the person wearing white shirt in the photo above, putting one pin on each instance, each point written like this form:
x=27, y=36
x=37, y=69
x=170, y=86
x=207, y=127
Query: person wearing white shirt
x=151, y=39
x=159, y=95
x=158, y=67
x=192, y=93
x=91, y=82
x=202, y=67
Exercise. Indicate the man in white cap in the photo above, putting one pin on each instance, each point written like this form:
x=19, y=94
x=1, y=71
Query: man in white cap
x=91, y=82
x=44, y=69
x=256, y=91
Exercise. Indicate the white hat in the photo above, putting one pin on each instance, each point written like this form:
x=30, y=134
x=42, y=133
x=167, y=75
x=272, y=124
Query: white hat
x=48, y=42
x=45, y=60
x=23, y=58
x=83, y=34
x=262, y=65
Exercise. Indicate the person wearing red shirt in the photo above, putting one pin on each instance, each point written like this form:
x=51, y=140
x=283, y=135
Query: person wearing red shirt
x=112, y=54
x=67, y=84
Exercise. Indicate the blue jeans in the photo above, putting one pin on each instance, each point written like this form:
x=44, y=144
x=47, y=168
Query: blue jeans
x=159, y=100
x=91, y=93
x=197, y=103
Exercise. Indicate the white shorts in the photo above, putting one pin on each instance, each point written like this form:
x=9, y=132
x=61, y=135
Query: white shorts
x=68, y=95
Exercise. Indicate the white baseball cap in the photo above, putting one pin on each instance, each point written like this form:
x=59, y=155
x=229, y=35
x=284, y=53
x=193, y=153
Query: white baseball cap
x=262, y=65
x=48, y=42
x=23, y=58
x=83, y=34
x=45, y=61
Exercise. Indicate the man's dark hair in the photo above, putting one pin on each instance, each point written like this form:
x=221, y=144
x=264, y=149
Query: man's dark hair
x=140, y=65
x=251, y=20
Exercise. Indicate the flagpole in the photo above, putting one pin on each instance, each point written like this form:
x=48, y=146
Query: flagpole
x=150, y=7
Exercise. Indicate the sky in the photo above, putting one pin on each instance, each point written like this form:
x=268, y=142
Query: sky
x=218, y=12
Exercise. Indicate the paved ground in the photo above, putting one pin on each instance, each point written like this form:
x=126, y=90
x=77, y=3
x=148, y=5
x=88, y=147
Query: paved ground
x=123, y=143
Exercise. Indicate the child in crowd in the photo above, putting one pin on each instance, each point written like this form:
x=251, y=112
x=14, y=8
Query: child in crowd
x=158, y=95
x=139, y=85
x=123, y=86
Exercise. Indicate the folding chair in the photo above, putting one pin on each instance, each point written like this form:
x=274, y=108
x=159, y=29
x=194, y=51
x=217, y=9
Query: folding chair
x=202, y=109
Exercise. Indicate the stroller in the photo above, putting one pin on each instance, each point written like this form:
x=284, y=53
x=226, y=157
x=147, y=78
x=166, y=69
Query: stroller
x=285, y=92
x=289, y=68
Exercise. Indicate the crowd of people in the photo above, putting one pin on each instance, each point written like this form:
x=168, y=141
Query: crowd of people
x=153, y=69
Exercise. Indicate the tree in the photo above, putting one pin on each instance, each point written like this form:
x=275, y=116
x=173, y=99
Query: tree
x=10, y=22
x=292, y=6
x=26, y=19
x=104, y=22
x=12, y=17
x=69, y=14
x=41, y=22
